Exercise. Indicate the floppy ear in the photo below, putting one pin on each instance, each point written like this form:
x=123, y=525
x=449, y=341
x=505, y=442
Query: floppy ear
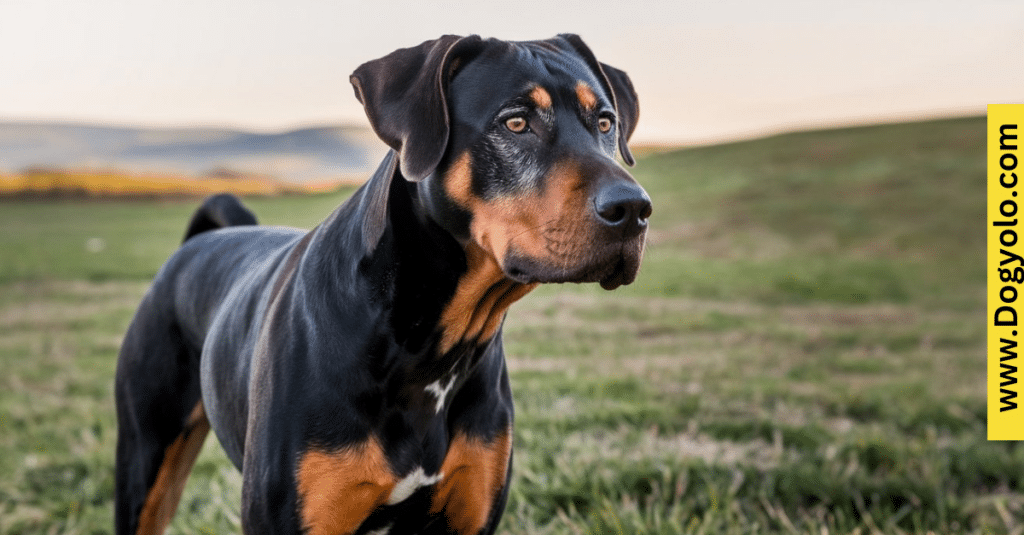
x=619, y=86
x=405, y=98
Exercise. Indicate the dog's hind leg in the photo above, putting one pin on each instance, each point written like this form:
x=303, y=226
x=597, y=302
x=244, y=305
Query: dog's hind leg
x=161, y=422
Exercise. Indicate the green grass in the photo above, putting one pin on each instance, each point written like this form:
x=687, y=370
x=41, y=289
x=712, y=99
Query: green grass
x=802, y=353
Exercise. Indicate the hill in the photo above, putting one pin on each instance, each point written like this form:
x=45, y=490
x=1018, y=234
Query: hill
x=889, y=212
x=309, y=154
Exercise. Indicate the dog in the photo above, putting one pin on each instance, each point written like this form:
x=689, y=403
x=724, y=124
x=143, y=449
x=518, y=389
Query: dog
x=355, y=373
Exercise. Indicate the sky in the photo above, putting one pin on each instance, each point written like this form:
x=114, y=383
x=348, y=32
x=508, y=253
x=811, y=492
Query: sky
x=704, y=71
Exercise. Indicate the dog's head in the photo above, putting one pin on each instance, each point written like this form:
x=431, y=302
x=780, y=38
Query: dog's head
x=513, y=146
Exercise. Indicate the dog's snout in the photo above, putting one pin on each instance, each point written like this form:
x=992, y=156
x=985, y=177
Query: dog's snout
x=623, y=205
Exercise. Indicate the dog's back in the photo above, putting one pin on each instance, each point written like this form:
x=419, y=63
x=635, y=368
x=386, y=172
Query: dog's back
x=158, y=375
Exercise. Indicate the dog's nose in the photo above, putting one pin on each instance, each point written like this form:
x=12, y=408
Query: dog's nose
x=623, y=205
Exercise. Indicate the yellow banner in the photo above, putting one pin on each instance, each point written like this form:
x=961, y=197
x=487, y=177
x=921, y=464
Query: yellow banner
x=1005, y=272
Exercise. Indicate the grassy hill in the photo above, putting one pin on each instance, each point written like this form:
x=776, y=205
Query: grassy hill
x=802, y=352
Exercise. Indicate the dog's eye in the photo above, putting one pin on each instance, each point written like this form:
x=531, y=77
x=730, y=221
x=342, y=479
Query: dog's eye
x=516, y=124
x=604, y=124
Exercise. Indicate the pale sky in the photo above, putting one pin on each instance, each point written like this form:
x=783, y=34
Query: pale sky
x=704, y=71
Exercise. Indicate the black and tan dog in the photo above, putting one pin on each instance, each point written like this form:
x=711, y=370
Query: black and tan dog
x=354, y=373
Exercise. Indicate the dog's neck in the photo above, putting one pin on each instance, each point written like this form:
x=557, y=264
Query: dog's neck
x=473, y=309
x=477, y=306
x=446, y=296
x=440, y=302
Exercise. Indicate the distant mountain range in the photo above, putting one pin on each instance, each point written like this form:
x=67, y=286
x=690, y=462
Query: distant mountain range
x=303, y=155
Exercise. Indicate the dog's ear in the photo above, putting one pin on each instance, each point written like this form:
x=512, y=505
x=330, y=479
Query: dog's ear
x=619, y=86
x=405, y=98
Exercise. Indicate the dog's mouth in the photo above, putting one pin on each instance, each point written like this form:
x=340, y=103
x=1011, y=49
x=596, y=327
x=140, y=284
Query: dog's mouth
x=614, y=266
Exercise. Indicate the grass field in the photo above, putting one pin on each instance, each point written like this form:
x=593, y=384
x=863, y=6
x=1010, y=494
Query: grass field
x=803, y=352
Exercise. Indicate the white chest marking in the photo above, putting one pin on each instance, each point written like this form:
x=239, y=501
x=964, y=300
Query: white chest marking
x=441, y=392
x=408, y=485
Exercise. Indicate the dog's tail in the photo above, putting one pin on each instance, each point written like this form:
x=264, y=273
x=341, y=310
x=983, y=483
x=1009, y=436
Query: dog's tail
x=219, y=211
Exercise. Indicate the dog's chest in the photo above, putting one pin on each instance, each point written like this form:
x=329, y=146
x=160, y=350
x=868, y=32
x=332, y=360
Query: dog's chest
x=440, y=390
x=341, y=489
x=412, y=482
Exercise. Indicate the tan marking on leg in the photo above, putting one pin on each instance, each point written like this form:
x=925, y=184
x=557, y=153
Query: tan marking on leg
x=541, y=98
x=163, y=497
x=339, y=489
x=586, y=95
x=474, y=472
